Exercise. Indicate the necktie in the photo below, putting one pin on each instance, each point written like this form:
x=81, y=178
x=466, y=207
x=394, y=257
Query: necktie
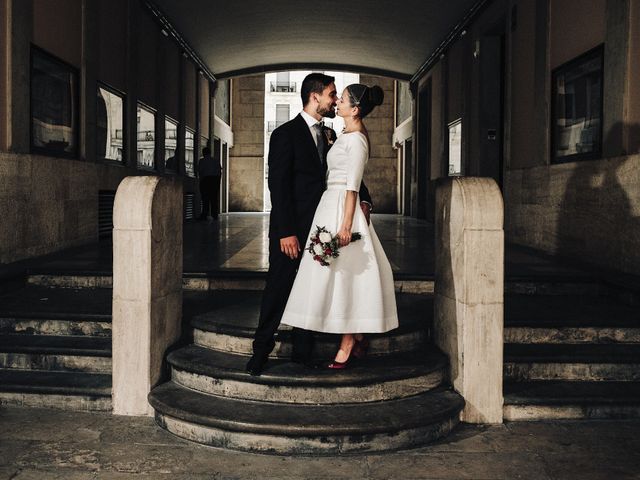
x=319, y=141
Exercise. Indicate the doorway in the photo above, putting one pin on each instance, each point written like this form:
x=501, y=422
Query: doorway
x=491, y=108
x=422, y=206
x=407, y=152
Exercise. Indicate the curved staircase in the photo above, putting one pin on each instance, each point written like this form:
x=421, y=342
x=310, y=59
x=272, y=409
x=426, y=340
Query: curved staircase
x=398, y=397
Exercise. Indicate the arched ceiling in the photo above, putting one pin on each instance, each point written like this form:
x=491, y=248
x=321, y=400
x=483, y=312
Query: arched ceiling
x=392, y=38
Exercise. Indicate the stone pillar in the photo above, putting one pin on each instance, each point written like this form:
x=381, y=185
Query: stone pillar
x=617, y=81
x=469, y=291
x=89, y=80
x=246, y=162
x=147, y=286
x=16, y=22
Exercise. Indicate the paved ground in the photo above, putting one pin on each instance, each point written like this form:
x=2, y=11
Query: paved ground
x=240, y=242
x=38, y=444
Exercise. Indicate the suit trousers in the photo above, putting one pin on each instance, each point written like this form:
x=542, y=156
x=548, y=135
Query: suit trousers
x=210, y=193
x=280, y=278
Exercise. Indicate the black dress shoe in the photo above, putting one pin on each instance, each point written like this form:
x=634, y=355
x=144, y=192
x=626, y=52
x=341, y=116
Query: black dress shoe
x=256, y=365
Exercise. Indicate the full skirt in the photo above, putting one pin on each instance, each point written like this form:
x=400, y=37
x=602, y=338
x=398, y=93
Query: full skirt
x=355, y=293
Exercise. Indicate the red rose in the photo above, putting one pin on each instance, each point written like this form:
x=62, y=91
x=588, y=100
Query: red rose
x=327, y=251
x=316, y=258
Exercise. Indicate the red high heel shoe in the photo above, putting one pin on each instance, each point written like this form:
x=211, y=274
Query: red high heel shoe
x=336, y=365
x=360, y=348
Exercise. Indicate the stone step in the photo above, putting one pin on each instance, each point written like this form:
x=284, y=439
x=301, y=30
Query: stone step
x=554, y=285
x=64, y=390
x=255, y=281
x=369, y=379
x=615, y=362
x=569, y=319
x=264, y=427
x=571, y=400
x=49, y=311
x=568, y=311
x=55, y=353
x=226, y=321
x=236, y=280
x=59, y=327
x=571, y=335
x=87, y=280
x=33, y=301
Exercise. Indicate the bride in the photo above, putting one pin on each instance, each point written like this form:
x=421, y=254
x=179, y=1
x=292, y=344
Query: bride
x=355, y=294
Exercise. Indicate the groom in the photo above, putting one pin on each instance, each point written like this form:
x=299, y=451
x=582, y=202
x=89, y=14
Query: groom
x=297, y=179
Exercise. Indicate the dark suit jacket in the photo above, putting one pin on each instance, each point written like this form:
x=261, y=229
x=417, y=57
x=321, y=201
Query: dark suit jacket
x=297, y=179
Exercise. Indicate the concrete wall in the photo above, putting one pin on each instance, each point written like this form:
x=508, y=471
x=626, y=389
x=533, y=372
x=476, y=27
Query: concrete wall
x=573, y=209
x=246, y=158
x=575, y=27
x=581, y=210
x=4, y=45
x=49, y=203
x=633, y=110
x=570, y=209
x=523, y=92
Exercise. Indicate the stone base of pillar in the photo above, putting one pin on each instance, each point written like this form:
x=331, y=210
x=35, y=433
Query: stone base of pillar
x=147, y=286
x=469, y=292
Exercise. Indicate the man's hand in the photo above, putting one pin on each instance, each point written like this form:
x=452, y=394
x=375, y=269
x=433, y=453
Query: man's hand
x=290, y=246
x=366, y=209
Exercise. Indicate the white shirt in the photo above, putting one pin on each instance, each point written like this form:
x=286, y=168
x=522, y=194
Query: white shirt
x=311, y=122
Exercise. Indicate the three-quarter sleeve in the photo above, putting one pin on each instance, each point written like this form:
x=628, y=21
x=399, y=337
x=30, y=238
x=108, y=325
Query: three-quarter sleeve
x=358, y=155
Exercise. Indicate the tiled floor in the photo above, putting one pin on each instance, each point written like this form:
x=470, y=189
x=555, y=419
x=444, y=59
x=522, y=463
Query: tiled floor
x=240, y=242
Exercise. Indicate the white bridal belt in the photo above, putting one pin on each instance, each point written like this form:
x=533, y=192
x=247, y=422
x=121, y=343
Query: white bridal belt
x=336, y=185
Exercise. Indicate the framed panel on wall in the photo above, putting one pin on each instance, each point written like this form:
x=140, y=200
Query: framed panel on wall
x=576, y=108
x=110, y=131
x=54, y=105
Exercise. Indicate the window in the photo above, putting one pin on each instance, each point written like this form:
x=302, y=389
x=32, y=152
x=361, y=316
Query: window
x=170, y=145
x=283, y=83
x=54, y=105
x=189, y=136
x=576, y=117
x=282, y=116
x=146, y=137
x=110, y=125
x=404, y=102
x=455, y=148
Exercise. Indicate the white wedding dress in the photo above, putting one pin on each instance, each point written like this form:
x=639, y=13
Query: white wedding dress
x=355, y=294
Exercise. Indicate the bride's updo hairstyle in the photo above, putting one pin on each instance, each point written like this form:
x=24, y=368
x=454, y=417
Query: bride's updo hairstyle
x=365, y=98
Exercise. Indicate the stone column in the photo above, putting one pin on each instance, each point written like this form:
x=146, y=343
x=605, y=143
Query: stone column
x=617, y=80
x=16, y=24
x=246, y=162
x=469, y=291
x=89, y=80
x=147, y=286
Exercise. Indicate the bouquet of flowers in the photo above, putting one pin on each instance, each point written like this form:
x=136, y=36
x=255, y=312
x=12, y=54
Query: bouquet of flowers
x=324, y=246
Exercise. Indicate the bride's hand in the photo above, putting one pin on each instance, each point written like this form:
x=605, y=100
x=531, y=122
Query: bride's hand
x=344, y=236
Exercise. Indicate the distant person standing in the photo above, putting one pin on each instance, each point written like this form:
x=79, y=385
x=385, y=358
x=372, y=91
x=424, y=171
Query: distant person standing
x=209, y=171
